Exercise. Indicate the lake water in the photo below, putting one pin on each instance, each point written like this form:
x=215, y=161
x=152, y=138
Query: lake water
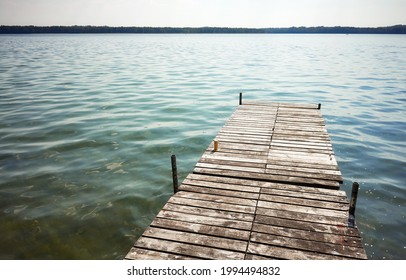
x=88, y=124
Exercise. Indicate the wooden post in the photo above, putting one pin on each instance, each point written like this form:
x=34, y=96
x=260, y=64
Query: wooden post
x=215, y=145
x=319, y=106
x=353, y=203
x=240, y=98
x=174, y=174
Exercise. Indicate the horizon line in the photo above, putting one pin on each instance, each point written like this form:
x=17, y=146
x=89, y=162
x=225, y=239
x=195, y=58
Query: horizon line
x=197, y=27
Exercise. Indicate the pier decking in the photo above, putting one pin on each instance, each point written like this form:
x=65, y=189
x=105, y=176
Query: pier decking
x=270, y=191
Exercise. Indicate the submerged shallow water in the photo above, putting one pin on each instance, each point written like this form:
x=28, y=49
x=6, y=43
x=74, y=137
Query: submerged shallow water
x=88, y=124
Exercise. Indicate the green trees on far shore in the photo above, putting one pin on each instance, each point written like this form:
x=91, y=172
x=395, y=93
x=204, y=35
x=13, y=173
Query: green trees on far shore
x=31, y=29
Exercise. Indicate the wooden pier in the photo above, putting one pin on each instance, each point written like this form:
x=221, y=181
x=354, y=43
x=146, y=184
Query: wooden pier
x=267, y=189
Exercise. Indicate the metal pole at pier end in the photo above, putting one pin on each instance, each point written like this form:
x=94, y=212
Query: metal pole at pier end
x=240, y=98
x=174, y=174
x=353, y=203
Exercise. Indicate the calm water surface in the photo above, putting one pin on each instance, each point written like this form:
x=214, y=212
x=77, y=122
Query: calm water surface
x=88, y=124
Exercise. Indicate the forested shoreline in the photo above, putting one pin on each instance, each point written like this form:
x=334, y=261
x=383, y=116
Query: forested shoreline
x=77, y=29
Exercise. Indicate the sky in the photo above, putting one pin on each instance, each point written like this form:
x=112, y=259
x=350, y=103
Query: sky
x=199, y=13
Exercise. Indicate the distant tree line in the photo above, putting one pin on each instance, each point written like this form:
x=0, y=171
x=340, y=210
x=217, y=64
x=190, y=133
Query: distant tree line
x=76, y=29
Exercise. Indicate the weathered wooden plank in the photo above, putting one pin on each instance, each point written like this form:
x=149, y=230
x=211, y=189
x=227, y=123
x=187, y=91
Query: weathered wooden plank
x=249, y=105
x=302, y=164
x=282, y=131
x=296, y=117
x=251, y=117
x=263, y=114
x=302, y=150
x=148, y=254
x=313, y=129
x=255, y=103
x=246, y=118
x=217, y=185
x=308, y=235
x=292, y=110
x=303, y=139
x=305, y=202
x=317, y=145
x=253, y=126
x=245, y=154
x=231, y=157
x=208, y=212
x=256, y=111
x=302, y=111
x=231, y=167
x=300, y=144
x=216, y=191
x=251, y=147
x=284, y=212
x=304, y=154
x=232, y=135
x=242, y=140
x=211, y=204
x=291, y=220
x=262, y=120
x=309, y=129
x=252, y=105
x=201, y=228
x=304, y=209
x=268, y=177
x=268, y=185
x=252, y=114
x=320, y=175
x=246, y=107
x=298, y=157
x=238, y=152
x=257, y=257
x=188, y=250
x=306, y=195
x=302, y=189
x=301, y=117
x=287, y=253
x=230, y=132
x=229, y=161
x=196, y=239
x=288, y=168
x=218, y=198
x=258, y=122
x=309, y=245
x=206, y=220
x=284, y=118
x=297, y=105
x=235, y=131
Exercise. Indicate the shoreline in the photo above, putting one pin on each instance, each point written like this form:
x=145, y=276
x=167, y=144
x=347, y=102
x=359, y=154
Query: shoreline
x=88, y=29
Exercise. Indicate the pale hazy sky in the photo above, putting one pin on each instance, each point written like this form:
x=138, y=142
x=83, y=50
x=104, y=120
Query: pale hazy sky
x=198, y=13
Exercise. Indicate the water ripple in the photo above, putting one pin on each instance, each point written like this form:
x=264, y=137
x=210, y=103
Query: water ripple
x=88, y=125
